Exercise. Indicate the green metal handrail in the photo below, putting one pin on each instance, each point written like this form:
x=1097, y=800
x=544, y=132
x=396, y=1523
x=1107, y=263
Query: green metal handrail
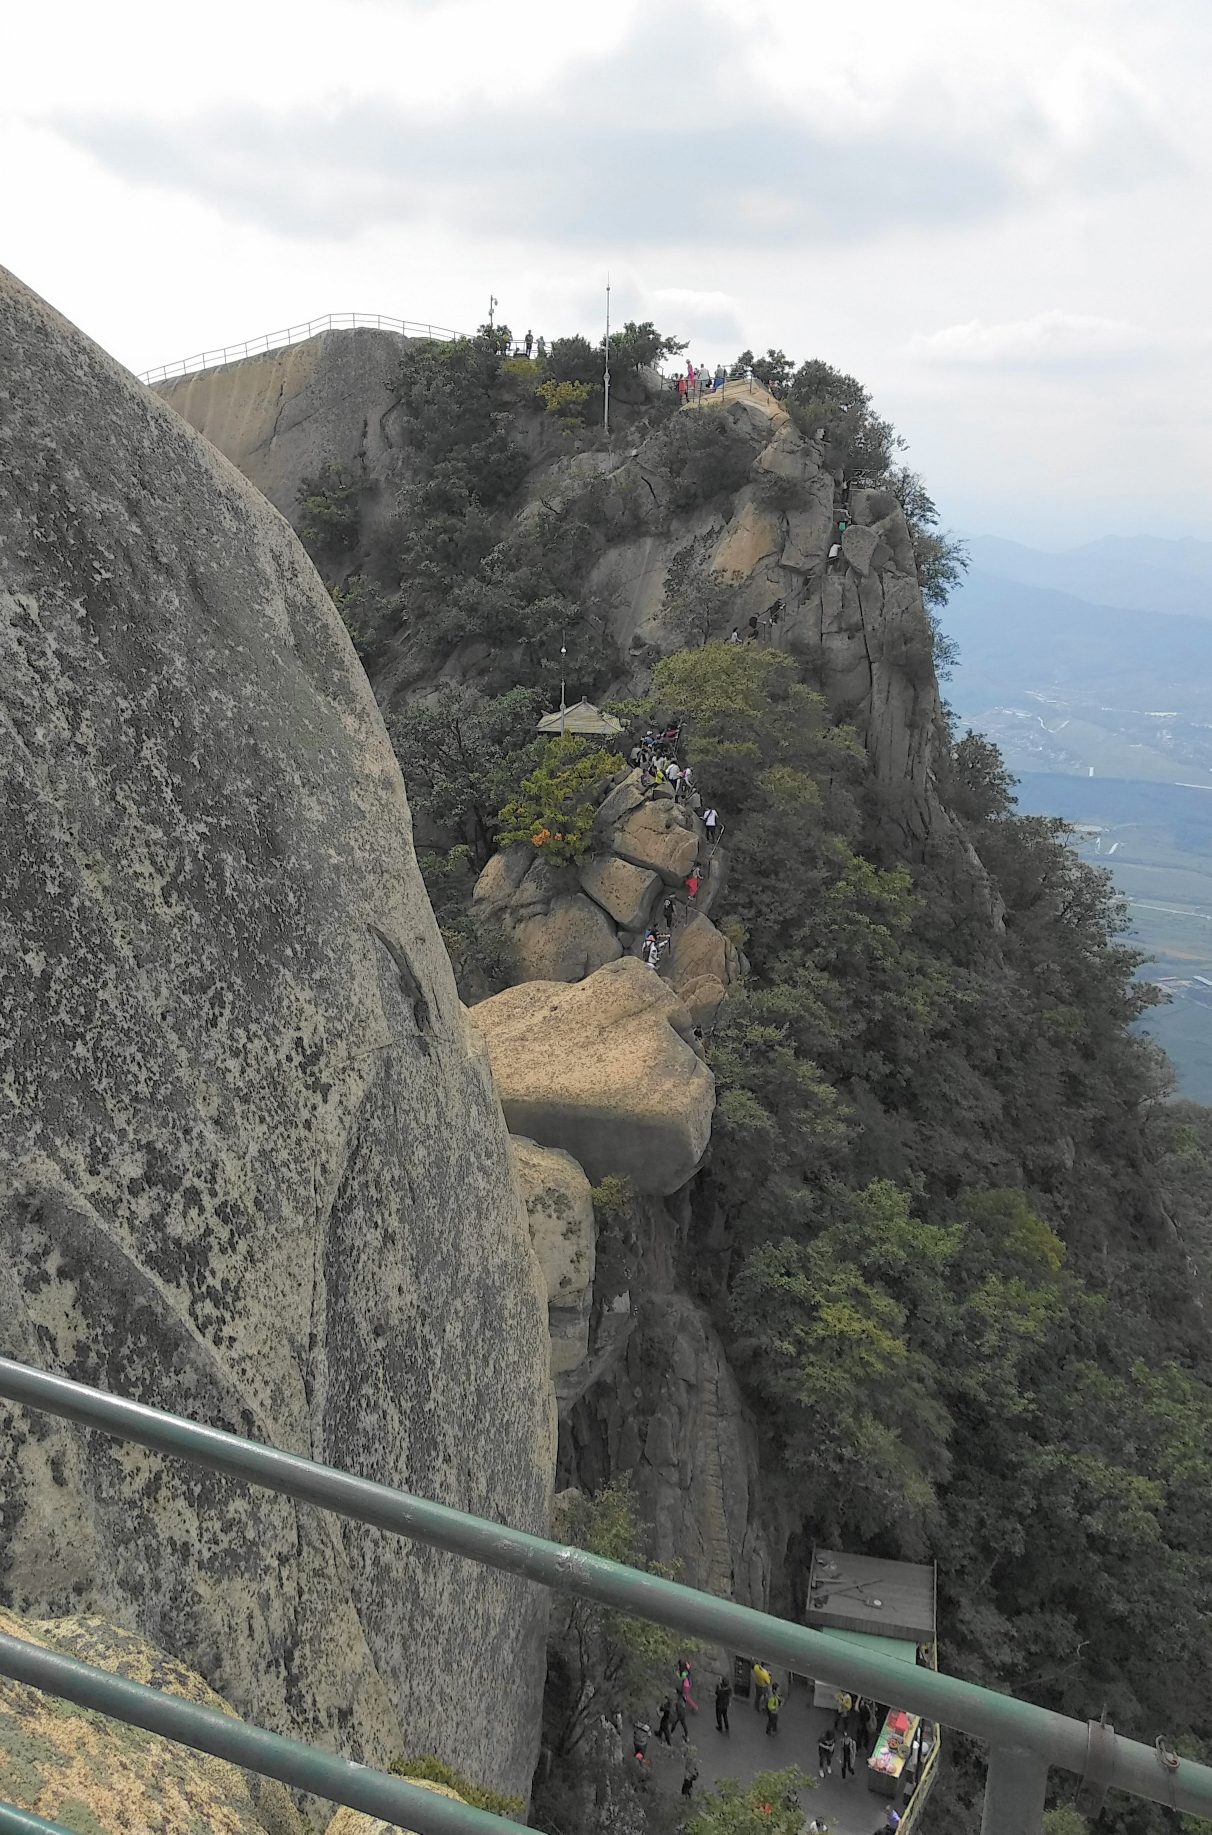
x=14, y=1821
x=1025, y=1739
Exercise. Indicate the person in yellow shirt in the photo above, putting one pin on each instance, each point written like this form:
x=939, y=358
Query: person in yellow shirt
x=843, y=1704
x=761, y=1686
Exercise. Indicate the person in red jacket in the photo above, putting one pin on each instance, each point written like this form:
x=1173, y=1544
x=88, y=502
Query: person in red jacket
x=691, y=882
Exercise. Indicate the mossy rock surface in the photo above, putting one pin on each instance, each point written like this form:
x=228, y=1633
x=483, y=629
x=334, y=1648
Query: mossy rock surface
x=98, y=1776
x=353, y=1822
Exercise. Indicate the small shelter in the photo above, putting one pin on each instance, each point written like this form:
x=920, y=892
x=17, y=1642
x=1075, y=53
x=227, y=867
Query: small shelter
x=872, y=1602
x=871, y=1597
x=888, y=1606
x=584, y=719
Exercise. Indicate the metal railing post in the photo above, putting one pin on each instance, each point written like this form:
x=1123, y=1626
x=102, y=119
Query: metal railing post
x=1015, y=1784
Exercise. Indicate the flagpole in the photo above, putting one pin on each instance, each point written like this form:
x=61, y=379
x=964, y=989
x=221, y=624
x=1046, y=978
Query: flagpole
x=606, y=375
x=563, y=654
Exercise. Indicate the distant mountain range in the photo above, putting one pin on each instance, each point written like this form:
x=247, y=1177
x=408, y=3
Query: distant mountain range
x=1131, y=573
x=1092, y=671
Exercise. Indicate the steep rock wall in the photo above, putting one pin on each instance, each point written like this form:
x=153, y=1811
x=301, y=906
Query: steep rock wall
x=252, y=1166
x=283, y=414
x=660, y=1403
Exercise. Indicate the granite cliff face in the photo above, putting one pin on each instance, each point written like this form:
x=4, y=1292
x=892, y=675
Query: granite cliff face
x=281, y=416
x=252, y=1165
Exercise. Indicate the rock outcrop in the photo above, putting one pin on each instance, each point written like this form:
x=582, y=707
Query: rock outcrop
x=565, y=922
x=663, y=1406
x=252, y=1166
x=605, y=1069
x=671, y=1415
x=90, y=1772
x=857, y=622
x=559, y=1203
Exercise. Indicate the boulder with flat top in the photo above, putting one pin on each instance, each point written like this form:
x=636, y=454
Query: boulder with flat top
x=660, y=837
x=628, y=893
x=605, y=1069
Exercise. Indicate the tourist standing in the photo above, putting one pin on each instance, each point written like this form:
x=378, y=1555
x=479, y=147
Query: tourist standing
x=774, y=1702
x=761, y=1686
x=825, y=1747
x=849, y=1752
x=723, y=1696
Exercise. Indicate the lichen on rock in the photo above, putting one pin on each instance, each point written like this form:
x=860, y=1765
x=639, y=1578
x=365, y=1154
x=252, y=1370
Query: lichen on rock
x=96, y=1774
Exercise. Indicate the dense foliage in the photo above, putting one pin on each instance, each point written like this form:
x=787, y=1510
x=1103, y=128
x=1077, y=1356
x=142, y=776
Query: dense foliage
x=769, y=1805
x=938, y=1246
x=465, y=755
x=957, y=1243
x=555, y=807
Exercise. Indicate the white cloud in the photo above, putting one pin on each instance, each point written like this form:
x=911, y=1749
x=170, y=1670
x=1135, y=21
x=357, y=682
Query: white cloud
x=1023, y=185
x=1047, y=339
x=699, y=315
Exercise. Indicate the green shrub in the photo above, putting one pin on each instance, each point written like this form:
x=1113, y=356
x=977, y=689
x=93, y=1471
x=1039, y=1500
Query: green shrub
x=556, y=807
x=328, y=512
x=703, y=455
x=613, y=1198
x=435, y=1771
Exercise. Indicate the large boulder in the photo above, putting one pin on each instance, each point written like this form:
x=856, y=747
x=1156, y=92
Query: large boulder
x=498, y=884
x=627, y=893
x=605, y=1069
x=661, y=837
x=252, y=1165
x=95, y=1773
x=696, y=949
x=618, y=803
x=565, y=943
x=559, y=1203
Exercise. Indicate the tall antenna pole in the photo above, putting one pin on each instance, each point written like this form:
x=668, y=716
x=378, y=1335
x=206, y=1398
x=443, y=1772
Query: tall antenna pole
x=606, y=375
x=493, y=303
x=563, y=654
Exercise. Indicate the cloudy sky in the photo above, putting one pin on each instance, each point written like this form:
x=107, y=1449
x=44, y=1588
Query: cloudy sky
x=996, y=215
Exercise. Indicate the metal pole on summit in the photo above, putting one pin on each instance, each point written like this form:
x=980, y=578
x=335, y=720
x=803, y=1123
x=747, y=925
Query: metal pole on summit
x=606, y=372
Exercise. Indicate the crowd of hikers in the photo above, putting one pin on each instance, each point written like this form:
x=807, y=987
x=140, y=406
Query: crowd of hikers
x=854, y=1729
x=699, y=381
x=655, y=757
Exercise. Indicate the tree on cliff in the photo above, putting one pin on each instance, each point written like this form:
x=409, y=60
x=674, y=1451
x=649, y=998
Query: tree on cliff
x=555, y=807
x=464, y=755
x=696, y=601
x=768, y=1805
x=601, y=1662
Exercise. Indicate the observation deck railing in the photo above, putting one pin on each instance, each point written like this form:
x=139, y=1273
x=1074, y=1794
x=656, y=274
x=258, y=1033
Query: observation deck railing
x=1025, y=1740
x=293, y=334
